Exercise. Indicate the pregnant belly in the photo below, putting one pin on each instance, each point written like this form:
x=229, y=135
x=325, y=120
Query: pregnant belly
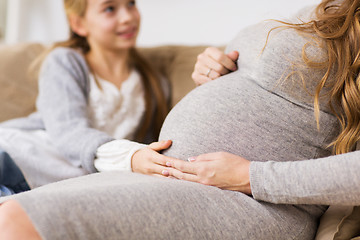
x=238, y=116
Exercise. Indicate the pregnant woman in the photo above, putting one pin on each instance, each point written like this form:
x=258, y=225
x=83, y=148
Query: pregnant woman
x=262, y=113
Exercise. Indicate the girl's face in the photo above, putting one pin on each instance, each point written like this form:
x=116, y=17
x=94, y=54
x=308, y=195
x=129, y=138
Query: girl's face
x=110, y=24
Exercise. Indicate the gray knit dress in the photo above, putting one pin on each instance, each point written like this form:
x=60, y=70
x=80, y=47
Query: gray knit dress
x=254, y=112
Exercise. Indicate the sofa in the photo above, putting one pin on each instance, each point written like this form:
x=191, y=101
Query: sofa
x=18, y=91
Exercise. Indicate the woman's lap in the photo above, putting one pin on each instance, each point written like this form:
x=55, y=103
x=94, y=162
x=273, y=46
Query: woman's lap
x=132, y=206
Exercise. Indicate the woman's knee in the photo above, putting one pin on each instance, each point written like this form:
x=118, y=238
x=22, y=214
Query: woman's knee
x=15, y=223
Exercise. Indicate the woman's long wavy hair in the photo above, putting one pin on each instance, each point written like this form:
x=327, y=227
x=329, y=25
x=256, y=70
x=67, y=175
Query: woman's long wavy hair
x=337, y=25
x=150, y=78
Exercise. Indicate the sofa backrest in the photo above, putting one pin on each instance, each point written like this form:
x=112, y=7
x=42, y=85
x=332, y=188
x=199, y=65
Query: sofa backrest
x=18, y=89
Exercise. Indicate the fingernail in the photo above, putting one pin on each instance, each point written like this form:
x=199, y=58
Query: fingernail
x=191, y=159
x=234, y=68
x=165, y=172
x=168, y=164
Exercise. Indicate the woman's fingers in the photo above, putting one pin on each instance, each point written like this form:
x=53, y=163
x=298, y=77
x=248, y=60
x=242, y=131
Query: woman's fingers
x=227, y=61
x=213, y=63
x=183, y=166
x=207, y=62
x=206, y=69
x=156, y=169
x=172, y=172
x=200, y=79
x=233, y=55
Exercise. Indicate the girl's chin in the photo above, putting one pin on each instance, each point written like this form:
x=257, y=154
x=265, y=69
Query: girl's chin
x=123, y=47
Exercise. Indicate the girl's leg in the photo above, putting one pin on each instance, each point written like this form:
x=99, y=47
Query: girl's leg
x=11, y=176
x=15, y=223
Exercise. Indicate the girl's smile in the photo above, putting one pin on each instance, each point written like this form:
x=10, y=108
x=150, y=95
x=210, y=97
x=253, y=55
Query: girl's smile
x=128, y=33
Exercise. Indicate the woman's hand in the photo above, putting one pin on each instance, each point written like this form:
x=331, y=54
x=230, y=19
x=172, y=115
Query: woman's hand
x=221, y=169
x=149, y=161
x=213, y=63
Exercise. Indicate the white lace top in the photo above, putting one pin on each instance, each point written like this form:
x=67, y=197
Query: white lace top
x=118, y=112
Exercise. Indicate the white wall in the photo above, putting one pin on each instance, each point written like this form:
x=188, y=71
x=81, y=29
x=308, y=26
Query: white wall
x=212, y=22
x=207, y=21
x=2, y=18
x=36, y=21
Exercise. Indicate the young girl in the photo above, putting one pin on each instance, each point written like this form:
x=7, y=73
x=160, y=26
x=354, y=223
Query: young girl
x=95, y=91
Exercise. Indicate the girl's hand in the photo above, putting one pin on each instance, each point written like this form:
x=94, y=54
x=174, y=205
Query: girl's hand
x=213, y=63
x=149, y=161
x=221, y=169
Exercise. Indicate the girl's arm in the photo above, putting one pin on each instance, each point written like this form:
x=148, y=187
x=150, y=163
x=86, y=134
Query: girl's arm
x=62, y=104
x=124, y=155
x=116, y=155
x=332, y=180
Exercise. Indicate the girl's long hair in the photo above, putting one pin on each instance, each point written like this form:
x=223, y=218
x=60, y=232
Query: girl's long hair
x=154, y=94
x=337, y=25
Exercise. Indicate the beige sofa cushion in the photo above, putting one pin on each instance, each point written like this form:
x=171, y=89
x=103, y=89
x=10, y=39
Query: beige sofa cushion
x=339, y=223
x=19, y=89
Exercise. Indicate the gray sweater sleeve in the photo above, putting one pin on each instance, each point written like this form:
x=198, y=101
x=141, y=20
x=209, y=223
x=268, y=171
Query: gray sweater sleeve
x=332, y=180
x=62, y=104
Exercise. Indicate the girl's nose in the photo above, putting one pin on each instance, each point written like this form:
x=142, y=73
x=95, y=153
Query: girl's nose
x=125, y=15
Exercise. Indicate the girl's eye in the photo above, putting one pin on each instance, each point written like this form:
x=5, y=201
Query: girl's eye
x=109, y=9
x=132, y=3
